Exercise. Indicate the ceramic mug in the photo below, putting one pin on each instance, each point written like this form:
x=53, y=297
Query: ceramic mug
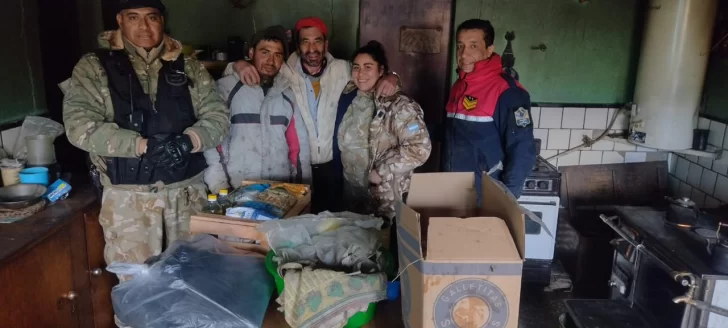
x=34, y=175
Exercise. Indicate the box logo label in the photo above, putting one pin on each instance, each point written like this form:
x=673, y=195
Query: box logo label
x=471, y=303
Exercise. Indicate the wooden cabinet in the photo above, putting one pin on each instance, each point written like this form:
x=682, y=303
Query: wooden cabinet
x=38, y=288
x=56, y=278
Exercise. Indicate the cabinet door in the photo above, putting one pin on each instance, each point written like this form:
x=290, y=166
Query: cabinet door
x=37, y=287
x=101, y=280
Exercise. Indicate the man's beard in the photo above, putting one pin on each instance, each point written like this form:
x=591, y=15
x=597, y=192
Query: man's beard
x=267, y=80
x=312, y=63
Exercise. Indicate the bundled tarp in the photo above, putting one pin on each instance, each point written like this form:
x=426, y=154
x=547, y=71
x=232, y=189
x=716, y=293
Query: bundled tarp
x=201, y=283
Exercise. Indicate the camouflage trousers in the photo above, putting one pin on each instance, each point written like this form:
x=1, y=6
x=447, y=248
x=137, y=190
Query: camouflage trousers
x=140, y=221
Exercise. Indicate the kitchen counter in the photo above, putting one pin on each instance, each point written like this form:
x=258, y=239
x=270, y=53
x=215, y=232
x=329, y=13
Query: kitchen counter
x=17, y=237
x=51, y=266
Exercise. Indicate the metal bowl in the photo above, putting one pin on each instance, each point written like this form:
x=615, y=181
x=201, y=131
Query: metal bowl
x=21, y=195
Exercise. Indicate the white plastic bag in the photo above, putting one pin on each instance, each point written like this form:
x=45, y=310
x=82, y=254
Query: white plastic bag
x=333, y=239
x=194, y=284
x=33, y=126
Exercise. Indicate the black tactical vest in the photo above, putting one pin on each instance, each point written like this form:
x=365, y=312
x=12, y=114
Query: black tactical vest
x=172, y=113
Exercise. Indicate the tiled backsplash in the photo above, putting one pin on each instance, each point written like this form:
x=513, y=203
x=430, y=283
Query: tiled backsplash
x=561, y=129
x=701, y=179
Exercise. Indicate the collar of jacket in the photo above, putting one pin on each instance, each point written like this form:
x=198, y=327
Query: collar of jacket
x=351, y=86
x=294, y=61
x=484, y=69
x=169, y=49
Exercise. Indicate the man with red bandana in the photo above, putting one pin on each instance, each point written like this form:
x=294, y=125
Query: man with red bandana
x=488, y=127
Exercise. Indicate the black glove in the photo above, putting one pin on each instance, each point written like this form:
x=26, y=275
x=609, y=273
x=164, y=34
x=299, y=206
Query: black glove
x=169, y=151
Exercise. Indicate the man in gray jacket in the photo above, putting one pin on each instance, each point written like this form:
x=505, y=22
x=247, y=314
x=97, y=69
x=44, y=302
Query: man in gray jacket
x=267, y=134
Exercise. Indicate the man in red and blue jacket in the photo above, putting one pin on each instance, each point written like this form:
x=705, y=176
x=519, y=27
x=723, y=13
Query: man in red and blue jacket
x=488, y=126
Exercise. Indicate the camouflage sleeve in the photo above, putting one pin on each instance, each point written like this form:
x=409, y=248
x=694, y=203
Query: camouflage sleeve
x=413, y=138
x=212, y=114
x=84, y=115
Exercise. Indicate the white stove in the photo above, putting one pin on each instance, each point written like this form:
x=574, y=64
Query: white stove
x=541, y=196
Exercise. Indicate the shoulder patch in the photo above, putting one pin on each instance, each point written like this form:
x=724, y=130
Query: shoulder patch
x=523, y=118
x=470, y=102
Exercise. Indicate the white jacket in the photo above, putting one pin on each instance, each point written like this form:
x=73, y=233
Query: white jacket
x=258, y=147
x=333, y=81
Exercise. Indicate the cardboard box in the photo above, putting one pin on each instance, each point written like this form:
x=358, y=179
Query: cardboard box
x=244, y=228
x=466, y=262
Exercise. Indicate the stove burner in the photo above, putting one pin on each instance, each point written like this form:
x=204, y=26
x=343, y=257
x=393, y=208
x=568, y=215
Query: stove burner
x=544, y=179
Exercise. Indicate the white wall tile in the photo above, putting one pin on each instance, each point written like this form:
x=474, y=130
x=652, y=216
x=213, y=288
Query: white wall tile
x=717, y=133
x=603, y=145
x=698, y=197
x=573, y=118
x=685, y=190
x=535, y=116
x=622, y=122
x=645, y=149
x=590, y=158
x=694, y=175
x=706, y=162
x=720, y=168
x=711, y=202
x=548, y=153
x=682, y=169
x=612, y=157
x=692, y=158
x=542, y=134
x=674, y=185
x=9, y=137
x=622, y=146
x=571, y=159
x=707, y=181
x=703, y=123
x=672, y=163
x=656, y=156
x=555, y=161
x=558, y=139
x=577, y=137
x=550, y=117
x=635, y=157
x=596, y=118
x=721, y=188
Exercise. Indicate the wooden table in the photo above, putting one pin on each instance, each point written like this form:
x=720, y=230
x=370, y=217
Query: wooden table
x=388, y=315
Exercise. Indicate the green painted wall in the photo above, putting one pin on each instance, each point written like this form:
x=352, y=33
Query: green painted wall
x=592, y=48
x=210, y=22
x=21, y=86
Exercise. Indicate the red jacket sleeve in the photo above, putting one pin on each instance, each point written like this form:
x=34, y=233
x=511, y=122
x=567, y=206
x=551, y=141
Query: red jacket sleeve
x=294, y=147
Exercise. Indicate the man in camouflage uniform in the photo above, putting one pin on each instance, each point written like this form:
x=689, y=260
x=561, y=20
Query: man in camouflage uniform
x=145, y=113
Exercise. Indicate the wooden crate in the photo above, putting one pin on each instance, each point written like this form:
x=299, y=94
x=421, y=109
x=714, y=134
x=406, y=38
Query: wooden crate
x=222, y=225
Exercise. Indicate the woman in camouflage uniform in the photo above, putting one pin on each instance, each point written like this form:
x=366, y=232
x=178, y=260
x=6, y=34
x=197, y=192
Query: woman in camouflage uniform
x=379, y=140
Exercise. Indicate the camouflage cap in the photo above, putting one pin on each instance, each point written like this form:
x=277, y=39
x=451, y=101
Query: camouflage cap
x=133, y=4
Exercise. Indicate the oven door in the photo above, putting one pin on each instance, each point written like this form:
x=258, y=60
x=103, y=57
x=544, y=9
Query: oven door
x=539, y=245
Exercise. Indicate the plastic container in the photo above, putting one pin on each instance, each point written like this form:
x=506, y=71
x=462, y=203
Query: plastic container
x=34, y=175
x=40, y=149
x=356, y=321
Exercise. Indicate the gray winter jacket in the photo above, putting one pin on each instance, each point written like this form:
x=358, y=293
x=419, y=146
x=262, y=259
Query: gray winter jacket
x=268, y=139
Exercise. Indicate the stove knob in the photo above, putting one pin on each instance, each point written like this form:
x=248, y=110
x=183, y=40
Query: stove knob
x=543, y=185
x=530, y=184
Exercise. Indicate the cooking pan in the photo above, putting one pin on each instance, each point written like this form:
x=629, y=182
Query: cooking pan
x=21, y=195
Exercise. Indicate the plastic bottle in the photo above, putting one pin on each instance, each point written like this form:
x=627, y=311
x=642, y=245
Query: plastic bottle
x=222, y=199
x=212, y=206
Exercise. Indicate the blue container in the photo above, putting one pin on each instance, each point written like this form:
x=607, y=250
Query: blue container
x=34, y=175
